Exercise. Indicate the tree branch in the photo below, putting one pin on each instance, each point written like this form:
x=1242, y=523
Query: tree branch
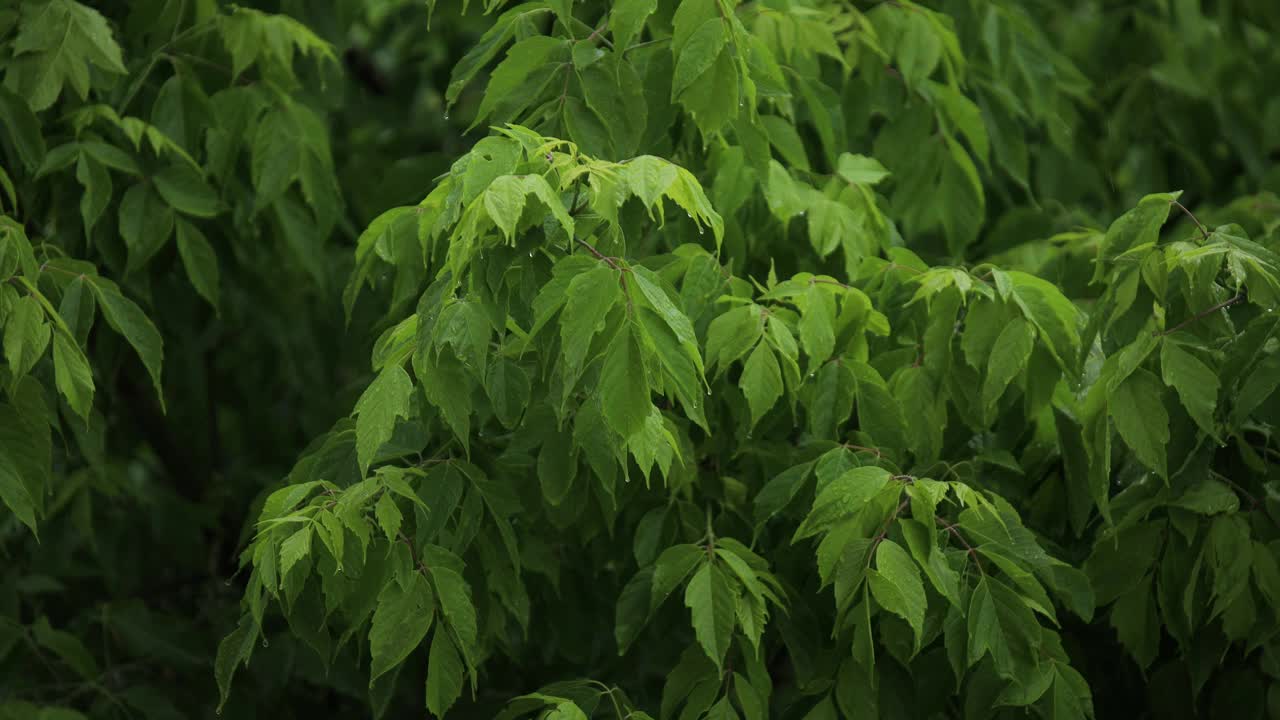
x=1203, y=313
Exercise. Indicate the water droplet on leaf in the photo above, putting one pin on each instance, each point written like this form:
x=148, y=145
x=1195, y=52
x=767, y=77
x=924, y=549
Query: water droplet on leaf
x=266, y=643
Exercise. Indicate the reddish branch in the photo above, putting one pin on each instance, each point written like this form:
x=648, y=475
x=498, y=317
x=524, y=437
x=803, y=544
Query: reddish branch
x=1203, y=313
x=611, y=262
x=1203, y=232
x=951, y=528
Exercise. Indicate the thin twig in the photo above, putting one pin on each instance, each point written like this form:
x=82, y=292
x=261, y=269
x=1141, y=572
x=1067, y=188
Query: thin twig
x=599, y=255
x=884, y=529
x=951, y=528
x=1203, y=313
x=1254, y=502
x=1194, y=219
x=645, y=44
x=863, y=448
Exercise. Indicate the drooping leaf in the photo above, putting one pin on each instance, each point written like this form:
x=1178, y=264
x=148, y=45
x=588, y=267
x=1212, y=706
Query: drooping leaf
x=400, y=623
x=386, y=399
x=710, y=599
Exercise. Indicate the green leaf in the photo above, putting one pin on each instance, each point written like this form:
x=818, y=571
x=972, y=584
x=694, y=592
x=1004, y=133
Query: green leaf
x=186, y=191
x=588, y=300
x=1057, y=319
x=614, y=90
x=146, y=222
x=234, y=650
x=463, y=325
x=448, y=387
x=830, y=223
x=710, y=599
x=504, y=201
x=14, y=493
x=627, y=18
x=879, y=414
x=26, y=337
x=698, y=54
x=1196, y=385
x=624, y=390
x=761, y=381
x=386, y=399
x=455, y=604
x=400, y=623
x=999, y=623
x=199, y=260
x=895, y=582
x=127, y=319
x=817, y=324
x=72, y=375
x=1009, y=356
x=1137, y=623
x=444, y=674
x=23, y=127
x=842, y=498
x=732, y=334
x=833, y=390
x=294, y=548
x=1208, y=497
x=786, y=140
x=254, y=36
x=649, y=178
x=557, y=466
x=523, y=59
x=389, y=516
x=57, y=43
x=1070, y=698
x=1137, y=406
x=672, y=567
x=632, y=609
x=96, y=180
x=1139, y=226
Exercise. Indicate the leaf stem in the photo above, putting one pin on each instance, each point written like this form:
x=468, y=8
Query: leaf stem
x=599, y=255
x=1203, y=232
x=646, y=43
x=951, y=528
x=863, y=448
x=1203, y=313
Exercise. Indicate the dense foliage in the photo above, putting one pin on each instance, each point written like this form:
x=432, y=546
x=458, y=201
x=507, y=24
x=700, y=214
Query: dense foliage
x=649, y=358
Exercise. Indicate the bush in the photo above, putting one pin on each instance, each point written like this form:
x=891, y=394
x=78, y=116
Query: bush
x=794, y=359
